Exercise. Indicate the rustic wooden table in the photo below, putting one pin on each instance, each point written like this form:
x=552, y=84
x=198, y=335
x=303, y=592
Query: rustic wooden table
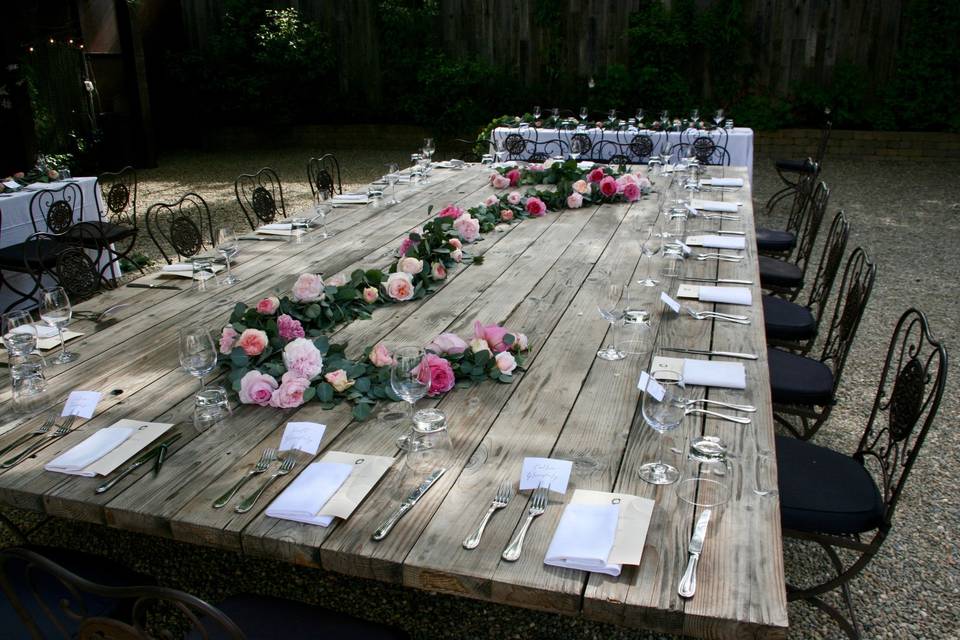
x=542, y=277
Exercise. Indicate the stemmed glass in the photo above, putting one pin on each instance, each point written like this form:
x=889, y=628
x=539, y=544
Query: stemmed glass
x=663, y=409
x=612, y=115
x=718, y=117
x=536, y=112
x=392, y=177
x=228, y=246
x=575, y=148
x=198, y=355
x=409, y=379
x=428, y=149
x=321, y=207
x=19, y=334
x=640, y=118
x=612, y=311
x=56, y=311
x=584, y=114
x=649, y=247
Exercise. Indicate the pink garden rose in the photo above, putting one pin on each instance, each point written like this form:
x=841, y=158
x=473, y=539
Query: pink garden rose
x=438, y=271
x=479, y=344
x=574, y=201
x=252, y=341
x=596, y=175
x=514, y=177
x=338, y=380
x=302, y=358
x=536, y=207
x=492, y=333
x=457, y=255
x=268, y=306
x=370, y=295
x=257, y=388
x=626, y=178
x=380, y=356
x=500, y=182
x=442, y=377
x=337, y=281
x=520, y=342
x=631, y=192
x=514, y=197
x=289, y=328
x=410, y=265
x=53, y=174
x=450, y=211
x=406, y=244
x=506, y=215
x=643, y=182
x=19, y=175
x=227, y=337
x=290, y=392
x=581, y=187
x=491, y=201
x=400, y=286
x=608, y=186
x=455, y=243
x=447, y=343
x=308, y=288
x=468, y=227
x=506, y=362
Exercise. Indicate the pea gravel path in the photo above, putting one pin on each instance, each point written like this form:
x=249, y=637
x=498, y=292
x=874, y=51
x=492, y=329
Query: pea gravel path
x=907, y=216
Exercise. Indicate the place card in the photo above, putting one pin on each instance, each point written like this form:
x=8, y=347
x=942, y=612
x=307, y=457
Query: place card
x=551, y=473
x=81, y=403
x=632, y=525
x=717, y=242
x=646, y=384
x=707, y=373
x=670, y=302
x=723, y=295
x=302, y=436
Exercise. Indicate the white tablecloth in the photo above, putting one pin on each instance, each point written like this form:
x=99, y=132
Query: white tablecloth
x=738, y=141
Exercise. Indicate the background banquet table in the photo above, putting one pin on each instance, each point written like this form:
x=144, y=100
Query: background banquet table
x=738, y=141
x=542, y=277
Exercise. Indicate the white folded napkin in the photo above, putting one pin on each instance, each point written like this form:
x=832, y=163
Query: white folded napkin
x=356, y=198
x=177, y=267
x=275, y=226
x=306, y=495
x=708, y=373
x=504, y=165
x=583, y=165
x=724, y=242
x=721, y=182
x=81, y=456
x=727, y=295
x=40, y=330
x=715, y=205
x=584, y=538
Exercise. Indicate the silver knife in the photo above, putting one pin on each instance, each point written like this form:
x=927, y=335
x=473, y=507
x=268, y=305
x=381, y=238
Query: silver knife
x=730, y=233
x=257, y=239
x=708, y=352
x=143, y=285
x=407, y=504
x=718, y=280
x=688, y=583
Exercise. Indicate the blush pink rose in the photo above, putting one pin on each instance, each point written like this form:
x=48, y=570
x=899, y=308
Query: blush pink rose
x=308, y=288
x=337, y=281
x=457, y=255
x=491, y=201
x=631, y=192
x=227, y=338
x=290, y=392
x=338, y=380
x=447, y=343
x=400, y=286
x=442, y=377
x=536, y=207
x=289, y=328
x=608, y=186
x=252, y=341
x=514, y=177
x=268, y=306
x=410, y=265
x=455, y=243
x=257, y=388
x=438, y=271
x=479, y=344
x=596, y=175
x=468, y=227
x=450, y=211
x=19, y=174
x=520, y=342
x=581, y=186
x=492, y=333
x=500, y=182
x=574, y=201
x=370, y=295
x=53, y=174
x=302, y=358
x=643, y=182
x=406, y=245
x=514, y=197
x=506, y=215
x=506, y=362
x=380, y=356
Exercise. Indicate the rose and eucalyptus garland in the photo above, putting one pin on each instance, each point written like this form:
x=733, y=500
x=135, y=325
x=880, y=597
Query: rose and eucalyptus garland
x=277, y=352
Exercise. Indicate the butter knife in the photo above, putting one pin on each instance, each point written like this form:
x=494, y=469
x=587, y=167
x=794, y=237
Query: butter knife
x=688, y=583
x=707, y=352
x=407, y=504
x=717, y=280
x=154, y=452
x=141, y=285
x=258, y=239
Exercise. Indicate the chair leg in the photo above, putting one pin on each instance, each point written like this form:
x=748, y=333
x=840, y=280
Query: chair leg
x=842, y=580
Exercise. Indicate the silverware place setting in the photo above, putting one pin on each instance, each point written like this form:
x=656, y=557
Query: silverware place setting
x=717, y=280
x=500, y=500
x=720, y=257
x=285, y=467
x=690, y=411
x=688, y=583
x=157, y=454
x=538, y=505
x=268, y=456
x=713, y=315
x=407, y=504
x=44, y=439
x=709, y=352
x=39, y=431
x=746, y=408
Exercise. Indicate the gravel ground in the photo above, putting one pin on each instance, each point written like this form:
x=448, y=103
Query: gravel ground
x=908, y=220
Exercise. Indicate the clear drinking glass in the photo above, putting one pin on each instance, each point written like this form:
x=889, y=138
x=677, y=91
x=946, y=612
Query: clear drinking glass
x=707, y=473
x=228, y=246
x=637, y=335
x=663, y=409
x=27, y=382
x=198, y=354
x=210, y=406
x=409, y=379
x=429, y=442
x=428, y=149
x=391, y=179
x=611, y=308
x=639, y=116
x=321, y=208
x=19, y=333
x=694, y=117
x=374, y=196
x=56, y=311
x=612, y=115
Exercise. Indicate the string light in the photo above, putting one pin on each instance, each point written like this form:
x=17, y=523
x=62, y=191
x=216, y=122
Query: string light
x=31, y=49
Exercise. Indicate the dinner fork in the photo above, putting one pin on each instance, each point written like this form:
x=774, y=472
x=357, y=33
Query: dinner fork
x=504, y=493
x=721, y=257
x=720, y=416
x=538, y=505
x=284, y=469
x=50, y=437
x=42, y=429
x=713, y=315
x=729, y=405
x=268, y=456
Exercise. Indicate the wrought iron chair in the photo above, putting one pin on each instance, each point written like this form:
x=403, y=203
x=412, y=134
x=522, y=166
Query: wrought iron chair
x=705, y=149
x=847, y=503
x=12, y=261
x=794, y=326
x=73, y=260
x=803, y=389
x=785, y=277
x=323, y=175
x=799, y=168
x=184, y=225
x=54, y=211
x=260, y=196
x=780, y=241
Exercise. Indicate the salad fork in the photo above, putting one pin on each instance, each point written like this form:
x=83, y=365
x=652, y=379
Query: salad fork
x=268, y=456
x=720, y=416
x=538, y=505
x=504, y=493
x=50, y=437
x=748, y=408
x=42, y=429
x=284, y=469
x=713, y=315
x=722, y=257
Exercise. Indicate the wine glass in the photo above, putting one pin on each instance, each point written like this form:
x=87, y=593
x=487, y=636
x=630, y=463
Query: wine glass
x=428, y=148
x=409, y=379
x=665, y=118
x=56, y=311
x=536, y=112
x=612, y=115
x=718, y=117
x=649, y=247
x=198, y=355
x=584, y=114
x=321, y=207
x=663, y=409
x=228, y=246
x=612, y=311
x=640, y=114
x=556, y=112
x=694, y=117
x=576, y=147
x=391, y=178
x=19, y=334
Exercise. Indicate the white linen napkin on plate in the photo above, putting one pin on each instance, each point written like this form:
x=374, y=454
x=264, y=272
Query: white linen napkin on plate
x=584, y=537
x=178, y=267
x=714, y=374
x=716, y=205
x=40, y=330
x=727, y=295
x=77, y=458
x=721, y=182
x=353, y=198
x=724, y=242
x=306, y=495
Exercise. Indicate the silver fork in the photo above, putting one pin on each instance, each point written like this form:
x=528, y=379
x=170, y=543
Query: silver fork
x=268, y=456
x=538, y=505
x=284, y=469
x=712, y=315
x=504, y=493
x=720, y=257
x=749, y=408
x=42, y=429
x=50, y=437
x=713, y=414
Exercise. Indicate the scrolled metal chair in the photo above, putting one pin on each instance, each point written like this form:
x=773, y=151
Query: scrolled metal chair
x=799, y=168
x=260, y=196
x=847, y=503
x=74, y=261
x=323, y=175
x=184, y=225
x=785, y=277
x=54, y=211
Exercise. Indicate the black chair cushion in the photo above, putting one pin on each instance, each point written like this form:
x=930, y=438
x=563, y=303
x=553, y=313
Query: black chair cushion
x=799, y=380
x=775, y=240
x=108, y=230
x=779, y=273
x=262, y=617
x=822, y=491
x=793, y=166
x=785, y=320
x=42, y=252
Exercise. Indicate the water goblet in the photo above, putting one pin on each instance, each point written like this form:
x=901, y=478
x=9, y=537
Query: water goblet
x=640, y=114
x=536, y=112
x=410, y=380
x=428, y=149
x=19, y=333
x=611, y=308
x=198, y=355
x=584, y=114
x=228, y=246
x=391, y=179
x=649, y=247
x=56, y=311
x=321, y=209
x=718, y=117
x=663, y=409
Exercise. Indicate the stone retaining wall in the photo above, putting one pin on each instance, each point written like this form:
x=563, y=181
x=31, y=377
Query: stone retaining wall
x=866, y=145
